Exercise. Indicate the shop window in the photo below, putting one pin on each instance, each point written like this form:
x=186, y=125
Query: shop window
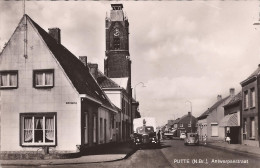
x=38, y=129
x=43, y=78
x=8, y=79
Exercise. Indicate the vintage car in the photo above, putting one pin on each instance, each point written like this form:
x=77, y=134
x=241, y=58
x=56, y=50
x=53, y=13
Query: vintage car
x=182, y=135
x=144, y=136
x=191, y=139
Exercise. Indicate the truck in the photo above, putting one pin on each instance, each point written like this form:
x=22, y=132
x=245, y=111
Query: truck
x=144, y=132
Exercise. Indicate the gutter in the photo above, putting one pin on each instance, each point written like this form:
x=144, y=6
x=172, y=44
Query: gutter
x=90, y=98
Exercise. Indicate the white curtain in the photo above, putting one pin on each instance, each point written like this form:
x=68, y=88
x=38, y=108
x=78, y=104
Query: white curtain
x=4, y=80
x=38, y=79
x=49, y=129
x=37, y=120
x=28, y=125
x=13, y=80
x=48, y=78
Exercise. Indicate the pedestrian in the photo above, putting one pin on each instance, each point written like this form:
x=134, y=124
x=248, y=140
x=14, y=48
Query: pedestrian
x=205, y=139
x=159, y=135
x=228, y=137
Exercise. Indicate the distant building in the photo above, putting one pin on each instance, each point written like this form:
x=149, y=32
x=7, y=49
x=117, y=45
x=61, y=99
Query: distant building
x=250, y=109
x=232, y=119
x=208, y=122
x=186, y=124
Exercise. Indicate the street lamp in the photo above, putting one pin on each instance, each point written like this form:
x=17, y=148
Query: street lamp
x=187, y=101
x=137, y=85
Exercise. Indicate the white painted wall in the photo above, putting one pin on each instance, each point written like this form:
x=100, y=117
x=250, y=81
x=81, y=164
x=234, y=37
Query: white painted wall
x=27, y=99
x=104, y=114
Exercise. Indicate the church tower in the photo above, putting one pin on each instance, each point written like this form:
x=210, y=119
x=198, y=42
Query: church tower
x=117, y=62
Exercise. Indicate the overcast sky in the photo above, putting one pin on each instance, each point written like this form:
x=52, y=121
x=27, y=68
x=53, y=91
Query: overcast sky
x=181, y=50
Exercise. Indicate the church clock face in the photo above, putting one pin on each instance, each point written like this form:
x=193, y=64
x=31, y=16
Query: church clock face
x=116, y=32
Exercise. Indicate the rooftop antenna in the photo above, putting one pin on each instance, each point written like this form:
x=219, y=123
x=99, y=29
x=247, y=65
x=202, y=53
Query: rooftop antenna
x=25, y=32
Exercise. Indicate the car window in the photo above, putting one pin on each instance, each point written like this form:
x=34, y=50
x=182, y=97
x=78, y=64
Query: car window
x=193, y=135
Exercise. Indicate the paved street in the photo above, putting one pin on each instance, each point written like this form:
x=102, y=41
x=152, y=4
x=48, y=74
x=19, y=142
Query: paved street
x=173, y=153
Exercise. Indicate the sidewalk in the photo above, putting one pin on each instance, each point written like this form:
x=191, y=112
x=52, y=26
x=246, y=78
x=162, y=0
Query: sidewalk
x=255, y=151
x=109, y=153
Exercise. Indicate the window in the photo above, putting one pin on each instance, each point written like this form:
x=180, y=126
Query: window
x=181, y=124
x=94, y=129
x=244, y=129
x=43, y=78
x=116, y=43
x=214, y=129
x=86, y=128
x=38, y=129
x=8, y=79
x=246, y=99
x=252, y=128
x=252, y=97
x=101, y=129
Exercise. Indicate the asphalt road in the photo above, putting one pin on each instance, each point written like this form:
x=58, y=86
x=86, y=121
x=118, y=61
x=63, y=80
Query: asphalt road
x=173, y=153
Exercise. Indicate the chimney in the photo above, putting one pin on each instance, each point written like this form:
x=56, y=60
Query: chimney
x=219, y=97
x=93, y=68
x=232, y=92
x=84, y=60
x=55, y=33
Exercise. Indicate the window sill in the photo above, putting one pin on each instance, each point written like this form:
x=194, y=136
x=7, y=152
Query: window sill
x=252, y=107
x=245, y=109
x=8, y=87
x=38, y=145
x=43, y=87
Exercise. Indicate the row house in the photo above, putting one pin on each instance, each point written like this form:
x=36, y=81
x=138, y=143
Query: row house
x=232, y=119
x=49, y=98
x=208, y=122
x=250, y=109
x=117, y=91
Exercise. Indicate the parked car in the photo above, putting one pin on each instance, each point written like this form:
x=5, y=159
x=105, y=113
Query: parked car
x=144, y=136
x=183, y=135
x=191, y=139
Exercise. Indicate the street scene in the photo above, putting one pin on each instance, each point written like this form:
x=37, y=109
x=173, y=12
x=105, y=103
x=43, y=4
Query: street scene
x=129, y=84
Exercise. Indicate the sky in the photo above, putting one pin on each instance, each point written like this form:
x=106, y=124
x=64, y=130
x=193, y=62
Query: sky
x=185, y=52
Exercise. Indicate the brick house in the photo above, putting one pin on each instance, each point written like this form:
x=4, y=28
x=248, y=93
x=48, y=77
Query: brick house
x=48, y=97
x=208, y=122
x=250, y=109
x=232, y=119
x=186, y=124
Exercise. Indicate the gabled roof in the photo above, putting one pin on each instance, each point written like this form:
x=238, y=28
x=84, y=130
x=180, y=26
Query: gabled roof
x=121, y=82
x=106, y=82
x=78, y=74
x=212, y=108
x=235, y=99
x=254, y=74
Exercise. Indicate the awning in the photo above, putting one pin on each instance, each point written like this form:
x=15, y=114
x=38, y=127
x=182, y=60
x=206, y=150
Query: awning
x=231, y=120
